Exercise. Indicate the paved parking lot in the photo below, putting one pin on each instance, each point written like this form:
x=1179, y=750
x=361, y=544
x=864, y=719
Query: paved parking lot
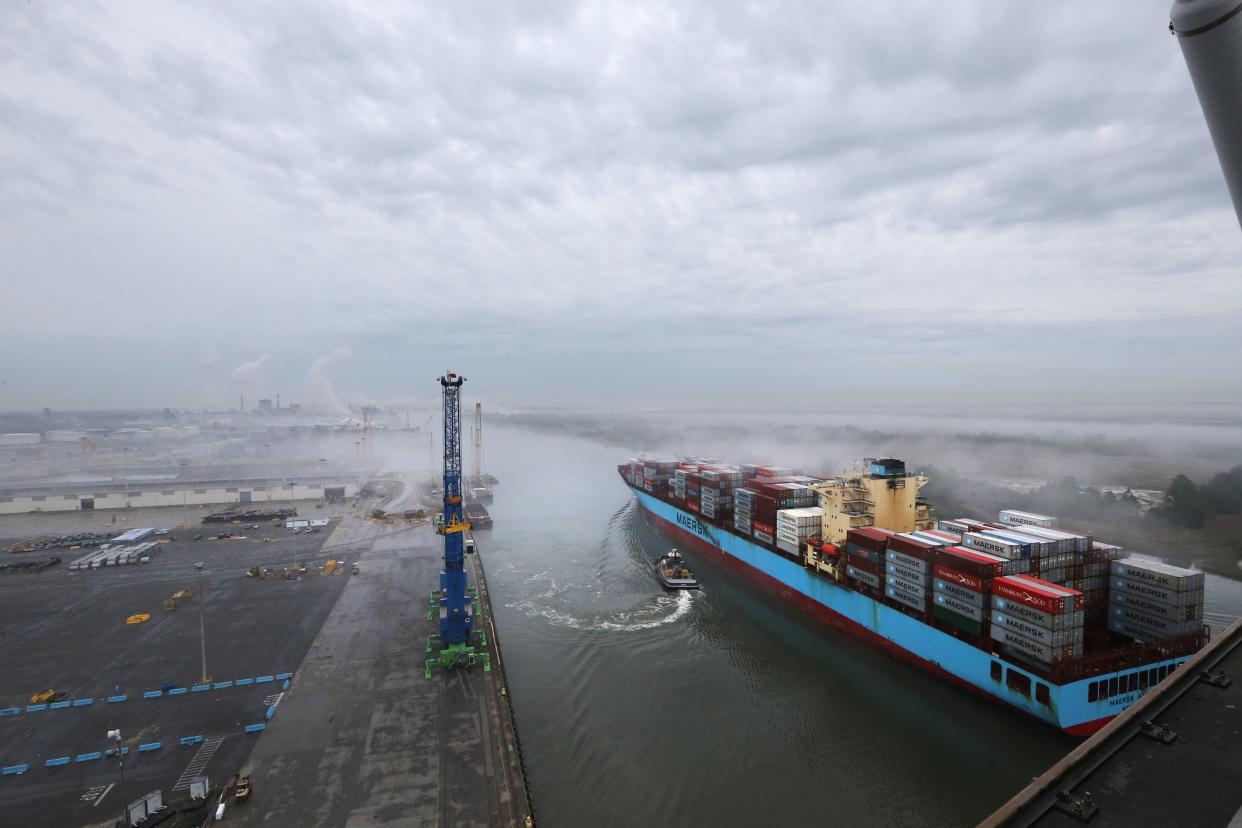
x=67, y=631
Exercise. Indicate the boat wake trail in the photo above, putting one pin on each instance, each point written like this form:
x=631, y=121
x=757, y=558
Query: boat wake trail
x=666, y=609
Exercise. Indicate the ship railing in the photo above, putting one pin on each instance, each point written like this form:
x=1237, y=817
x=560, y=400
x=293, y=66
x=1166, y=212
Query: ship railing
x=1129, y=657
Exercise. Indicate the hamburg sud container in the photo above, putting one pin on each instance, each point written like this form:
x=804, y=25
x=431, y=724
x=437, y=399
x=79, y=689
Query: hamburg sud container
x=1047, y=636
x=961, y=583
x=907, y=570
x=1153, y=601
x=794, y=526
x=864, y=556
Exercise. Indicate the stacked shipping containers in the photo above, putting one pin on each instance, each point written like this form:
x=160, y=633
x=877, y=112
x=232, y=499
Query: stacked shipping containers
x=795, y=526
x=864, y=558
x=1037, y=620
x=1152, y=601
x=961, y=586
x=907, y=570
x=716, y=487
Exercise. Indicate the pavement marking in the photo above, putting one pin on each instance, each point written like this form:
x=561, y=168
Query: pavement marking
x=272, y=699
x=200, y=760
x=96, y=793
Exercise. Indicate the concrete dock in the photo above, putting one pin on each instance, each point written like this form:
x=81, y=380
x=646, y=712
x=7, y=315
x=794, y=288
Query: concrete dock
x=356, y=736
x=363, y=739
x=1173, y=758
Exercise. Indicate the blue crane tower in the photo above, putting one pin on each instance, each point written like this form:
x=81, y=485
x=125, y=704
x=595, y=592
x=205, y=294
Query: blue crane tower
x=454, y=601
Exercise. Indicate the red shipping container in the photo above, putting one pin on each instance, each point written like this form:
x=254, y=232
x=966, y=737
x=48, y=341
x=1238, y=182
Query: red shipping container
x=692, y=505
x=1042, y=595
x=979, y=564
x=763, y=527
x=962, y=579
x=869, y=538
x=910, y=546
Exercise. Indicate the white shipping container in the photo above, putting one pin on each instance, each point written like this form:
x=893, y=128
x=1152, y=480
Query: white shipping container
x=867, y=578
x=1155, y=593
x=896, y=570
x=967, y=609
x=993, y=546
x=908, y=561
x=1162, y=575
x=1047, y=620
x=961, y=593
x=1156, y=609
x=1053, y=638
x=904, y=598
x=1015, y=517
x=1035, y=650
x=1159, y=626
x=911, y=589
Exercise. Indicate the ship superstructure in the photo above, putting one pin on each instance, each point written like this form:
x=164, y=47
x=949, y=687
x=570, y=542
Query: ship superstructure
x=1049, y=621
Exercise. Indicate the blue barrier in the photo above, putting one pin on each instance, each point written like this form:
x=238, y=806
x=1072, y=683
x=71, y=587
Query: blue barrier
x=199, y=688
x=263, y=679
x=178, y=691
x=82, y=702
x=271, y=711
x=153, y=694
x=10, y=711
x=255, y=728
x=34, y=708
x=9, y=770
x=150, y=746
x=243, y=682
x=115, y=699
x=191, y=740
x=220, y=685
x=58, y=705
x=285, y=686
x=86, y=757
x=280, y=676
x=51, y=763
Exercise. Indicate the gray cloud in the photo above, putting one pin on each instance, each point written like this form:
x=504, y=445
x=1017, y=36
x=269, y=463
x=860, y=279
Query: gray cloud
x=800, y=188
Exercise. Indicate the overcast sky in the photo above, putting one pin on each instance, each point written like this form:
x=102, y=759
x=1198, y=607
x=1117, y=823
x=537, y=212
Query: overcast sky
x=608, y=203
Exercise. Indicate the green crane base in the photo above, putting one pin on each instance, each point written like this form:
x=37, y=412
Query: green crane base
x=455, y=655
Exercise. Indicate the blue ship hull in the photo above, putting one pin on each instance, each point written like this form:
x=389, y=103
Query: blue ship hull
x=1066, y=706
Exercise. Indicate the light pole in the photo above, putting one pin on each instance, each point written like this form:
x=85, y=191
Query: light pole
x=202, y=629
x=115, y=736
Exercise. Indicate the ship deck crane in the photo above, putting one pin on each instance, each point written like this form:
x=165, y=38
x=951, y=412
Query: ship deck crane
x=454, y=601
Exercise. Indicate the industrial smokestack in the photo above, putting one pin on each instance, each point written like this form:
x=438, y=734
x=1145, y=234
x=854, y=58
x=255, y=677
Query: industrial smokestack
x=1210, y=34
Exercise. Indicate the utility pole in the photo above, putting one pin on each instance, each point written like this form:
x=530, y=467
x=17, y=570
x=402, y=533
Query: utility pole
x=115, y=736
x=202, y=628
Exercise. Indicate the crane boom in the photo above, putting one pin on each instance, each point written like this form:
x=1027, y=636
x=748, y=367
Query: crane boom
x=478, y=445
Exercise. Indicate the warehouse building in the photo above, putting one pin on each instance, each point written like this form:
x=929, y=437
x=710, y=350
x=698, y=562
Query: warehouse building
x=72, y=497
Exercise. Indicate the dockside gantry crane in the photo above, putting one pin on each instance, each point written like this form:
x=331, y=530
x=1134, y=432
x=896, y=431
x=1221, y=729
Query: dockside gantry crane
x=454, y=601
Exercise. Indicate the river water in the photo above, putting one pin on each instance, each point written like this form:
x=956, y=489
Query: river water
x=723, y=707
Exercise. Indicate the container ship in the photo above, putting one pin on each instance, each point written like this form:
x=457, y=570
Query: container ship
x=1048, y=621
